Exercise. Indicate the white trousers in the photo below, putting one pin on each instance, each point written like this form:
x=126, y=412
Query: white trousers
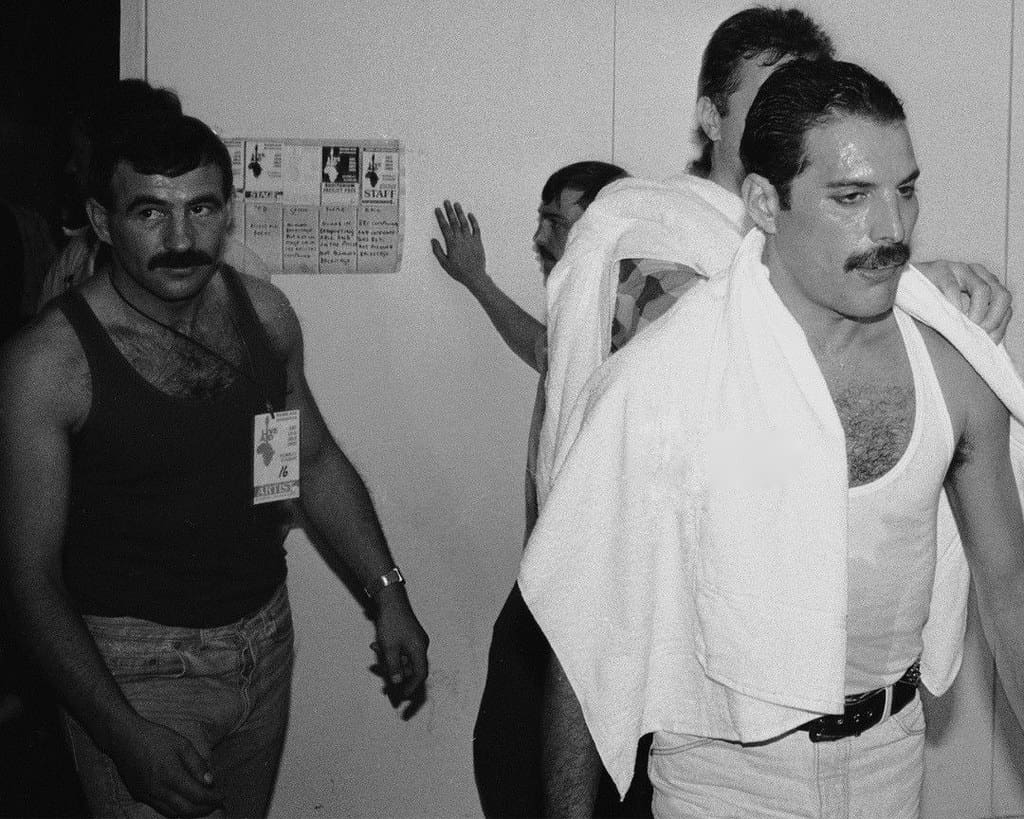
x=876, y=775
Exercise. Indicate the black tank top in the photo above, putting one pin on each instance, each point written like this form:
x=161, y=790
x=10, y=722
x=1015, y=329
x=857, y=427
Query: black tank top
x=161, y=523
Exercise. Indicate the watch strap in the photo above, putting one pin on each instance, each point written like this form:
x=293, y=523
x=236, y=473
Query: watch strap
x=389, y=578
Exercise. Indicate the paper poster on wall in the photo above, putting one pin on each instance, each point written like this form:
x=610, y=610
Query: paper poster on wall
x=320, y=206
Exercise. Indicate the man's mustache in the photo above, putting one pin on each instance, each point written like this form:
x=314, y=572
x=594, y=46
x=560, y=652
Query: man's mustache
x=892, y=255
x=186, y=258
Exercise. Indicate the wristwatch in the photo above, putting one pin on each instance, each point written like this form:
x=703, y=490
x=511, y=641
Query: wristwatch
x=389, y=578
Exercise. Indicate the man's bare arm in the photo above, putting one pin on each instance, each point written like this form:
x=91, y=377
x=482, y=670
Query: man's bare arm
x=338, y=504
x=462, y=258
x=983, y=494
x=571, y=765
x=40, y=400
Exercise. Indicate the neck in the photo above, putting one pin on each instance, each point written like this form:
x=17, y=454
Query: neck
x=140, y=302
x=725, y=174
x=828, y=331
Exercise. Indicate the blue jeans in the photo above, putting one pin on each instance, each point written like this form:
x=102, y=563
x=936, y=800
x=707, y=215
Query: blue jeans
x=226, y=689
x=876, y=775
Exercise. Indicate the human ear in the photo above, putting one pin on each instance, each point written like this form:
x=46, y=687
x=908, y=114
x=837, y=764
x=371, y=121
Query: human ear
x=229, y=225
x=99, y=219
x=708, y=119
x=761, y=201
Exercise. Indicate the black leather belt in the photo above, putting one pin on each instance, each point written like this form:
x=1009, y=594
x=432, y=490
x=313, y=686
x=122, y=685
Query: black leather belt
x=863, y=711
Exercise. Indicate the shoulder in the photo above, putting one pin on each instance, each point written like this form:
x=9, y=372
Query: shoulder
x=44, y=374
x=968, y=396
x=275, y=313
x=244, y=260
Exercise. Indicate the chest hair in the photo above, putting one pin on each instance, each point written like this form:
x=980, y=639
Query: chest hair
x=878, y=422
x=180, y=367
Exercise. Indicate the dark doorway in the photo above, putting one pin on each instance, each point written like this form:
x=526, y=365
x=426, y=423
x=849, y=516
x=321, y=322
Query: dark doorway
x=51, y=53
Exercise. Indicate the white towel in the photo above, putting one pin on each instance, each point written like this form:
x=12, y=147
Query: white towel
x=687, y=220
x=689, y=566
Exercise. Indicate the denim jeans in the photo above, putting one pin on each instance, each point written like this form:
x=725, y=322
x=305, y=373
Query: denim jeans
x=876, y=775
x=226, y=689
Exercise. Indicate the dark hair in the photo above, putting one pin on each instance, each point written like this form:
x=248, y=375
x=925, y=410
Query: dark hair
x=112, y=108
x=586, y=177
x=801, y=95
x=165, y=145
x=774, y=34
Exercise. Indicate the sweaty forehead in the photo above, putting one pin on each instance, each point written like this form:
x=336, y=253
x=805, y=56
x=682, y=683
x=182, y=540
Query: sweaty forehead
x=857, y=149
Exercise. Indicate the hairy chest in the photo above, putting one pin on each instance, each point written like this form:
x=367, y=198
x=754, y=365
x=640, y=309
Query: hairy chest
x=200, y=365
x=878, y=422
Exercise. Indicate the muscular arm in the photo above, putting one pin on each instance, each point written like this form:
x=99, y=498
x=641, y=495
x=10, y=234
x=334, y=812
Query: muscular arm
x=337, y=503
x=570, y=764
x=973, y=289
x=463, y=259
x=984, y=498
x=40, y=403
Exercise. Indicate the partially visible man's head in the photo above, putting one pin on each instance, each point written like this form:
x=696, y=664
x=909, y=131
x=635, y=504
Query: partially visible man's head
x=164, y=145
x=832, y=181
x=740, y=54
x=567, y=193
x=106, y=112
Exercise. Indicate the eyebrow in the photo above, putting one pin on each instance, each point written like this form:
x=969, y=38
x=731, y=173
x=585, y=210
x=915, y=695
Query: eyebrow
x=861, y=185
x=153, y=201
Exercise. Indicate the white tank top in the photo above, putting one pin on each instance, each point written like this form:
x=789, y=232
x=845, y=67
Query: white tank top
x=891, y=549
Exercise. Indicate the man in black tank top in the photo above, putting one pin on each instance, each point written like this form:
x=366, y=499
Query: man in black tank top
x=151, y=420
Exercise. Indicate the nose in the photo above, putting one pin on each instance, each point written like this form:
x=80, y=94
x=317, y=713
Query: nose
x=179, y=234
x=891, y=219
x=543, y=233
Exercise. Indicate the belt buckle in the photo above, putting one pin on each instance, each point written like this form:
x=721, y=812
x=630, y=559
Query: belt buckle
x=821, y=733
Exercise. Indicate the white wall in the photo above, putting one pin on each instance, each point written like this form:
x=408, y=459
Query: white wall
x=420, y=391
x=489, y=98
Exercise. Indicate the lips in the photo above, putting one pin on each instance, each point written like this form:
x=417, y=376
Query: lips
x=880, y=275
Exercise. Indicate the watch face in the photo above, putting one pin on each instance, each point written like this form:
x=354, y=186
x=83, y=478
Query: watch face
x=389, y=578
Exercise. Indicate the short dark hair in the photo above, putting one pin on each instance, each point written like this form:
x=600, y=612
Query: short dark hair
x=111, y=108
x=801, y=95
x=165, y=145
x=587, y=177
x=772, y=33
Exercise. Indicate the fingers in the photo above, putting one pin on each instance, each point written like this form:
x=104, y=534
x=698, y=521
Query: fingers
x=197, y=767
x=978, y=283
x=414, y=669
x=196, y=788
x=1000, y=307
x=404, y=669
x=393, y=665
x=185, y=788
x=439, y=253
x=454, y=219
x=465, y=225
x=999, y=333
x=979, y=294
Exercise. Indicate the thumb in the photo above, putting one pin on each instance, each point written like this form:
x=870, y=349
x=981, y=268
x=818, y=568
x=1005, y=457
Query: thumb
x=439, y=253
x=197, y=767
x=393, y=663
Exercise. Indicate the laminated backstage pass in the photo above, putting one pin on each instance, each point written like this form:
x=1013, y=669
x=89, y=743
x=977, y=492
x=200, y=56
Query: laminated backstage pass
x=275, y=460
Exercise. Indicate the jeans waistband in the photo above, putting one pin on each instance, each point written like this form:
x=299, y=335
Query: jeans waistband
x=262, y=621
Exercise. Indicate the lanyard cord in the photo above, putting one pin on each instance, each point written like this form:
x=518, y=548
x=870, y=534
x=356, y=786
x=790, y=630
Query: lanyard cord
x=251, y=376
